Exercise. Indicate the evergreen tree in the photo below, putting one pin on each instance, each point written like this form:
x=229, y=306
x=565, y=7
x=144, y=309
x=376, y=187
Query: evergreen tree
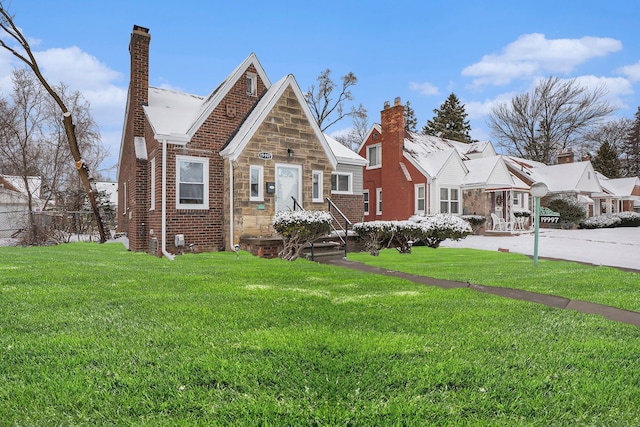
x=631, y=148
x=606, y=161
x=410, y=120
x=450, y=121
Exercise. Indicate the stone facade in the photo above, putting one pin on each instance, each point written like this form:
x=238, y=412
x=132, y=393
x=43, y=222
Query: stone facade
x=285, y=128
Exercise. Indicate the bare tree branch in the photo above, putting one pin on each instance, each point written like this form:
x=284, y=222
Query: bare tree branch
x=8, y=26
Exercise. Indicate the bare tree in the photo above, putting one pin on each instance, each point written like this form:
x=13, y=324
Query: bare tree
x=326, y=108
x=358, y=132
x=551, y=119
x=21, y=137
x=613, y=132
x=24, y=53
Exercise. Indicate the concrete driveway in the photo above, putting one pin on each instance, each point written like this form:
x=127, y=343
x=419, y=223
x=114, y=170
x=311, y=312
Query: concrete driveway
x=616, y=247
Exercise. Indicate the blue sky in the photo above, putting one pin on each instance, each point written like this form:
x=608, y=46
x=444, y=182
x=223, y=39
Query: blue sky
x=484, y=52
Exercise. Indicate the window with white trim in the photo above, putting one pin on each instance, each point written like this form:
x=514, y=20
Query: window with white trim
x=256, y=183
x=378, y=201
x=152, y=204
x=192, y=182
x=365, y=197
x=374, y=156
x=449, y=200
x=341, y=183
x=420, y=200
x=252, y=84
x=316, y=187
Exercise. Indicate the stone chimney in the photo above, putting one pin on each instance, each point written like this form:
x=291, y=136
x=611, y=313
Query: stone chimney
x=566, y=157
x=392, y=119
x=139, y=82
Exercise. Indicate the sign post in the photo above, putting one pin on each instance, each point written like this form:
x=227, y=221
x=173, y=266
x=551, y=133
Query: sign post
x=537, y=190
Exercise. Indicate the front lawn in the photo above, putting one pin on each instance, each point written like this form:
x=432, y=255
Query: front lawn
x=602, y=285
x=95, y=335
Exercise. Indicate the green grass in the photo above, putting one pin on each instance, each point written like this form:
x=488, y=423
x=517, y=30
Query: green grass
x=602, y=285
x=95, y=335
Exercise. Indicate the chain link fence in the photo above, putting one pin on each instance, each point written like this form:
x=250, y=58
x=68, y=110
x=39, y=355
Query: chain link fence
x=52, y=226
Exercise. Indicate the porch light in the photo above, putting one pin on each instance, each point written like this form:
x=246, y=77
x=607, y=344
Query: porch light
x=537, y=190
x=290, y=153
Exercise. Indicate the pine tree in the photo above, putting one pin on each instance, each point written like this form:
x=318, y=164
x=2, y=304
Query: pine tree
x=450, y=121
x=410, y=120
x=606, y=161
x=631, y=148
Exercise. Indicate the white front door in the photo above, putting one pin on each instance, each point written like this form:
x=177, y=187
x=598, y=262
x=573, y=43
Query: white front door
x=288, y=185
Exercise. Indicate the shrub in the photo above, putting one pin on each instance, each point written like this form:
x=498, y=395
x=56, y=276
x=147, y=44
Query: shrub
x=373, y=235
x=570, y=210
x=298, y=229
x=628, y=219
x=475, y=221
x=621, y=219
x=441, y=227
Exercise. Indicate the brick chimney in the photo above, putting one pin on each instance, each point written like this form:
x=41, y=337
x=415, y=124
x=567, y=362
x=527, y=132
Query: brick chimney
x=139, y=82
x=566, y=157
x=392, y=119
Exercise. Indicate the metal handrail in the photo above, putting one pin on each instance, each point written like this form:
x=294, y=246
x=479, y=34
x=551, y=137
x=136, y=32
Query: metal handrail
x=347, y=223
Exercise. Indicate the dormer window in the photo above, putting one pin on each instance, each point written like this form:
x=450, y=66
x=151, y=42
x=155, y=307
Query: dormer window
x=252, y=84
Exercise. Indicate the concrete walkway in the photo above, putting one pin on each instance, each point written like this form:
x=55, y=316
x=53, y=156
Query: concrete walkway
x=611, y=313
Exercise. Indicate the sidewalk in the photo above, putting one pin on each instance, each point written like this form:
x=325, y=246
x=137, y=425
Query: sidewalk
x=611, y=313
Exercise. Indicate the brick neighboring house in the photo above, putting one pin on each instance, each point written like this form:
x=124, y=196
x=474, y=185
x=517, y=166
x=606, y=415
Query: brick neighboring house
x=409, y=173
x=210, y=170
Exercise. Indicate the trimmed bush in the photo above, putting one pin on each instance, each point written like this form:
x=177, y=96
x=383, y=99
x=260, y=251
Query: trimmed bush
x=621, y=219
x=298, y=229
x=430, y=230
x=475, y=221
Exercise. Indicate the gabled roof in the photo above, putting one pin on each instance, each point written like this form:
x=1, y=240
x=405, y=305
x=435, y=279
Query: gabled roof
x=430, y=163
x=260, y=112
x=344, y=155
x=569, y=177
x=620, y=187
x=176, y=116
x=491, y=172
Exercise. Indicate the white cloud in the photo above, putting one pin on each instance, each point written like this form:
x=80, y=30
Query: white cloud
x=631, y=71
x=424, y=88
x=616, y=87
x=75, y=68
x=533, y=54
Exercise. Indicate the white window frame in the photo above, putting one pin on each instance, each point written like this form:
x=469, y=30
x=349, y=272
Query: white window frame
x=337, y=174
x=378, y=201
x=378, y=148
x=205, y=171
x=366, y=200
x=124, y=198
x=449, y=200
x=152, y=177
x=260, y=196
x=417, y=199
x=320, y=196
x=252, y=84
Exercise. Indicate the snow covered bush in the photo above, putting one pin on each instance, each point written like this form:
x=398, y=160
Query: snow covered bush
x=620, y=219
x=440, y=227
x=298, y=229
x=373, y=235
x=430, y=230
x=628, y=219
x=475, y=221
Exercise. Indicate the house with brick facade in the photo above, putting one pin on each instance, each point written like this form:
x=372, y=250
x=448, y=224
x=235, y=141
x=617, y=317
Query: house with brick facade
x=208, y=171
x=413, y=174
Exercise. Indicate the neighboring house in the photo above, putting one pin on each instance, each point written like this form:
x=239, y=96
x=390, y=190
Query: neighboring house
x=211, y=170
x=14, y=203
x=625, y=194
x=409, y=173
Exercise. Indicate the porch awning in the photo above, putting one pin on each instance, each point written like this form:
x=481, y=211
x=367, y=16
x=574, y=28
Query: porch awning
x=585, y=199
